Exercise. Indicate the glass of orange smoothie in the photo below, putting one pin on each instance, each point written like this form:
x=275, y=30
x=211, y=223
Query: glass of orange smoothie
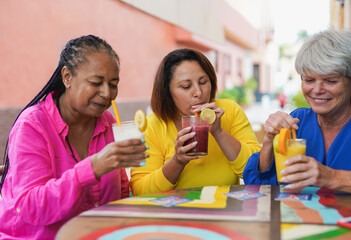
x=293, y=147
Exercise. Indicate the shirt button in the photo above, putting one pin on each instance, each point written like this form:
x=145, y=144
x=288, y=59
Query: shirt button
x=96, y=204
x=18, y=210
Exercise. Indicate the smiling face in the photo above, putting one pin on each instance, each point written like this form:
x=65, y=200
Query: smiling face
x=189, y=86
x=93, y=85
x=328, y=95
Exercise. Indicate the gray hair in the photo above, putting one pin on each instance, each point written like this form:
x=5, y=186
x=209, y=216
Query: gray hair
x=327, y=52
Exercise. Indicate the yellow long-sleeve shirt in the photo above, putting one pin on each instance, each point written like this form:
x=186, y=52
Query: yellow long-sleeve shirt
x=212, y=169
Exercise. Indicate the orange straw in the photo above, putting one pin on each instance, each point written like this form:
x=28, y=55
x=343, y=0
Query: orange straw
x=293, y=133
x=116, y=112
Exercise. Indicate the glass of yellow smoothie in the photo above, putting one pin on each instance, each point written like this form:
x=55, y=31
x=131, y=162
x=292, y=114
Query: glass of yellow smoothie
x=293, y=147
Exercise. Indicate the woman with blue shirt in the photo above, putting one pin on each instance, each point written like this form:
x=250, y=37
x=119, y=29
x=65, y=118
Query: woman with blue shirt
x=324, y=63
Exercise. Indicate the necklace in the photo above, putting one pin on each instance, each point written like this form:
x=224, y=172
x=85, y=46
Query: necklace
x=69, y=144
x=70, y=148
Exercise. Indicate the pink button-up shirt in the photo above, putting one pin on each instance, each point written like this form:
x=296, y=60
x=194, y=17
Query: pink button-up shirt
x=45, y=186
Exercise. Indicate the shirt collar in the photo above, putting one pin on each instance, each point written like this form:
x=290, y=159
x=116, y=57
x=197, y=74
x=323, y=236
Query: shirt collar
x=51, y=108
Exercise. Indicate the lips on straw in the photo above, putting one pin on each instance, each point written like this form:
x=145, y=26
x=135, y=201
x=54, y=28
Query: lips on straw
x=116, y=112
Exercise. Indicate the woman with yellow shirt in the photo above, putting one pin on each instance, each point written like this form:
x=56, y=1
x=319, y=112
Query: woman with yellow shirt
x=185, y=84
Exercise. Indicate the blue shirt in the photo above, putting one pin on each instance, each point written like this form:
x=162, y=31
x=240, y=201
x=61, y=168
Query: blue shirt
x=338, y=156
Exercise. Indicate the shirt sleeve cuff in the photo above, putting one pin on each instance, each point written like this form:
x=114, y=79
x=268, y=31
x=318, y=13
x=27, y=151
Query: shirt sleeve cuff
x=85, y=173
x=163, y=181
x=266, y=173
x=241, y=159
x=242, y=154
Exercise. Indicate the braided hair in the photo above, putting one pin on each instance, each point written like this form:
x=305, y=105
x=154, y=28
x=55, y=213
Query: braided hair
x=71, y=56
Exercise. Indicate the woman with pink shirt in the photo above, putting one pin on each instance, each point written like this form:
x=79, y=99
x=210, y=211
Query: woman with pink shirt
x=61, y=157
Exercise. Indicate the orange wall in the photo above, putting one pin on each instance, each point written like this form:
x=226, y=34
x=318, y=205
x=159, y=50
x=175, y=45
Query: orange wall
x=33, y=33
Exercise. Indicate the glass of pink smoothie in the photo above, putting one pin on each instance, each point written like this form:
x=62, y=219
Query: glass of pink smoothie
x=200, y=127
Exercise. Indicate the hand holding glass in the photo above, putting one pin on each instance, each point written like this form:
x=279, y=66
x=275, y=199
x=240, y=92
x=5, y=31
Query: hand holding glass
x=200, y=127
x=294, y=147
x=127, y=130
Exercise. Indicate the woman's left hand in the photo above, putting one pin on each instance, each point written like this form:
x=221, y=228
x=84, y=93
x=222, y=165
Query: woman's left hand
x=303, y=171
x=215, y=127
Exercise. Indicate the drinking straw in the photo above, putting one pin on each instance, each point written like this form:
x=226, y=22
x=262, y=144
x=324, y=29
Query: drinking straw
x=294, y=134
x=116, y=112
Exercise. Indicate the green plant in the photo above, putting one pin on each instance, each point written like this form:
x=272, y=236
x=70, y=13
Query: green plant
x=241, y=94
x=300, y=101
x=251, y=83
x=236, y=93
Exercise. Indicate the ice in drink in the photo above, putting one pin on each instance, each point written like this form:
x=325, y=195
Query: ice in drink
x=296, y=147
x=200, y=127
x=125, y=131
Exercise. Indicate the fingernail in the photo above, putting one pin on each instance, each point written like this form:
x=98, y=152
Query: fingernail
x=282, y=172
x=143, y=140
x=283, y=179
x=147, y=147
x=146, y=155
x=194, y=143
x=142, y=164
x=193, y=134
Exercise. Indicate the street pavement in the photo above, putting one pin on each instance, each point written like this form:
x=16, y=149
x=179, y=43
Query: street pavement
x=258, y=112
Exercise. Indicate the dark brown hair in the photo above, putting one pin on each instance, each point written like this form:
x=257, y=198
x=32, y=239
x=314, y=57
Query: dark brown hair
x=161, y=100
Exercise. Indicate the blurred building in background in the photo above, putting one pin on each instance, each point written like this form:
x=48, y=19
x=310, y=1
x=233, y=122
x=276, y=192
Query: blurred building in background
x=340, y=17
x=225, y=32
x=142, y=33
x=235, y=35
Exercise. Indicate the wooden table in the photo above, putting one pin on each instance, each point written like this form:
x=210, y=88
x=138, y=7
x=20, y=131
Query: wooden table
x=257, y=218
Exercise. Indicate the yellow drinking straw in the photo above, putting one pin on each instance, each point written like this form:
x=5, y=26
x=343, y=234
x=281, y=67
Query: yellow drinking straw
x=116, y=112
x=294, y=134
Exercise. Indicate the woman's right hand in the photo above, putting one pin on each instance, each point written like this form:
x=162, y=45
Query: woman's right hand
x=176, y=164
x=118, y=155
x=272, y=126
x=277, y=121
x=180, y=149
